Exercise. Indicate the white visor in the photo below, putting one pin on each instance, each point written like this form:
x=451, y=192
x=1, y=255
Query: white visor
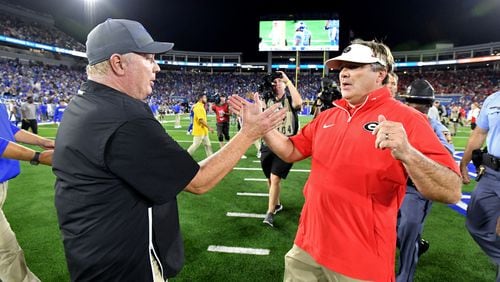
x=355, y=53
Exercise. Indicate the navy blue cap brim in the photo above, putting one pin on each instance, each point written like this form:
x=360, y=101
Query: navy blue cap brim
x=155, y=48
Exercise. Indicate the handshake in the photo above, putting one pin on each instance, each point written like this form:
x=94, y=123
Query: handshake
x=255, y=123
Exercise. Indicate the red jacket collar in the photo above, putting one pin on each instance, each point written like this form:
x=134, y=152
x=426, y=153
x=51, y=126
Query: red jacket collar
x=373, y=98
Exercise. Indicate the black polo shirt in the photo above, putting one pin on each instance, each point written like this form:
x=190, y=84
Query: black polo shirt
x=113, y=160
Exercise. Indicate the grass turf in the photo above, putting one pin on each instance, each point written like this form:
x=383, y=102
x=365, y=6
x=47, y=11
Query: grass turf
x=453, y=255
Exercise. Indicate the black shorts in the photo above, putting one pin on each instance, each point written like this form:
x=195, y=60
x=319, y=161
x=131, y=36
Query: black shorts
x=271, y=163
x=30, y=123
x=223, y=131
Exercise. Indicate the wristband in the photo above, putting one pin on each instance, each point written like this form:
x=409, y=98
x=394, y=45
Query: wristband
x=36, y=159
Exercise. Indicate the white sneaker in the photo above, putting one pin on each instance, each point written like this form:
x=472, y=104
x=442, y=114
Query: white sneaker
x=258, y=155
x=278, y=208
x=243, y=157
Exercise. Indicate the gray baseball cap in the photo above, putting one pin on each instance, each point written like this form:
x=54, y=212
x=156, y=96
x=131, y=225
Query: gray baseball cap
x=120, y=36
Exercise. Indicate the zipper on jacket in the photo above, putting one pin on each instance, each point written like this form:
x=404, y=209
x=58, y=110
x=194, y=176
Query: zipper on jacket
x=355, y=111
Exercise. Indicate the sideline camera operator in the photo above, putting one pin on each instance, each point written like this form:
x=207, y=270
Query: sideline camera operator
x=273, y=90
x=329, y=93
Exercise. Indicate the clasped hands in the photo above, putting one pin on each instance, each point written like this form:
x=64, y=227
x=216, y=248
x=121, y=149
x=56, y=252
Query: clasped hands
x=255, y=122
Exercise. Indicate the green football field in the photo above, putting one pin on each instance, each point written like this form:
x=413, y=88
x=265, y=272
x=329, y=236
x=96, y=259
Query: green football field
x=452, y=256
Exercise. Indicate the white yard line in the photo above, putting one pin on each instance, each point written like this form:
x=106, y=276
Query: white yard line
x=255, y=179
x=300, y=170
x=246, y=215
x=252, y=194
x=238, y=250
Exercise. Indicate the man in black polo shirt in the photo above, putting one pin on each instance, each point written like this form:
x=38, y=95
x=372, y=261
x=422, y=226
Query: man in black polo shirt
x=118, y=171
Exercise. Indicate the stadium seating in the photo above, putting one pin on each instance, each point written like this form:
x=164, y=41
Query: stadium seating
x=50, y=83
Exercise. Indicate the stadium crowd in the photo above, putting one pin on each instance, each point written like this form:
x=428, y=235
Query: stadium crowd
x=36, y=32
x=48, y=82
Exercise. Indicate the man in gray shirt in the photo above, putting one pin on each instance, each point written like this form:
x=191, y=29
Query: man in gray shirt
x=28, y=115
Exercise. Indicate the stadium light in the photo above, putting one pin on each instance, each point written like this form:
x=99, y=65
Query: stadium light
x=89, y=10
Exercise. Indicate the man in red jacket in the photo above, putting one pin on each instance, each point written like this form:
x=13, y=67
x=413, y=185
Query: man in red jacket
x=362, y=152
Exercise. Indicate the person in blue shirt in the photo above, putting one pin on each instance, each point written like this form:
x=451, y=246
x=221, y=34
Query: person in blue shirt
x=191, y=117
x=43, y=111
x=178, y=113
x=13, y=265
x=483, y=211
x=59, y=111
x=154, y=108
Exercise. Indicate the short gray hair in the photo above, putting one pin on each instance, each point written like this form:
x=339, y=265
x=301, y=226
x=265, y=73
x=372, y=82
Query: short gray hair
x=102, y=68
x=99, y=69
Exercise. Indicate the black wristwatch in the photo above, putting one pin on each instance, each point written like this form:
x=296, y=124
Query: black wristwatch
x=36, y=159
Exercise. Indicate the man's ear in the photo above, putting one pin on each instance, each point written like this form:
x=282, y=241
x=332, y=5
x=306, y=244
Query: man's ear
x=117, y=63
x=381, y=76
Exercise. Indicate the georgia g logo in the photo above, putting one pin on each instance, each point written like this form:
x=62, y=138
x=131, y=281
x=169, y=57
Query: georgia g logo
x=370, y=126
x=347, y=49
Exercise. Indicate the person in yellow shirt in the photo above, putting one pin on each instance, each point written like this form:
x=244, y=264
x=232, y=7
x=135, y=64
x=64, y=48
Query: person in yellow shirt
x=200, y=127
